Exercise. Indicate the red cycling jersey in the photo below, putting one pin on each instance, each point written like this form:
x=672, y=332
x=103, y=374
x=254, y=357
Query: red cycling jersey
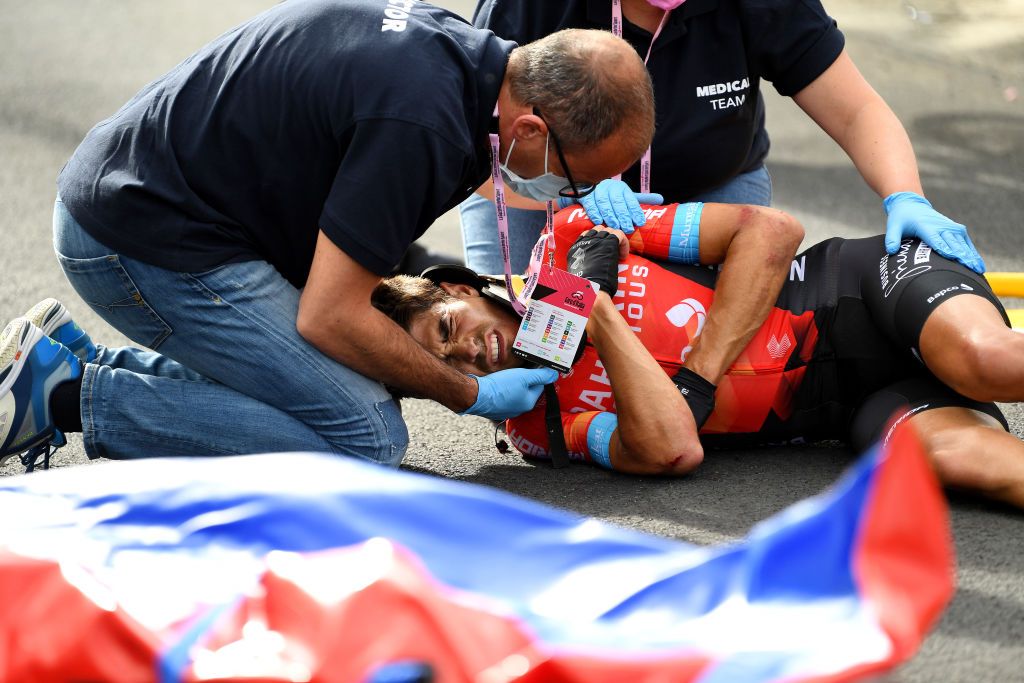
x=667, y=310
x=834, y=356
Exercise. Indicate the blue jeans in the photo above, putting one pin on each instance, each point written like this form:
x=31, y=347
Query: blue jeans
x=480, y=227
x=227, y=374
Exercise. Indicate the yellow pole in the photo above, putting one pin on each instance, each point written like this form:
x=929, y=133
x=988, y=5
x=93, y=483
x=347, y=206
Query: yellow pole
x=1016, y=318
x=1006, y=284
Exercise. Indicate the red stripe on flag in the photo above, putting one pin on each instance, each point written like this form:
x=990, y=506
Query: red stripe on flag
x=404, y=614
x=905, y=564
x=50, y=630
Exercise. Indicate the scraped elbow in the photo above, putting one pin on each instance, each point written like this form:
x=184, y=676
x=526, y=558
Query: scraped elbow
x=673, y=455
x=682, y=461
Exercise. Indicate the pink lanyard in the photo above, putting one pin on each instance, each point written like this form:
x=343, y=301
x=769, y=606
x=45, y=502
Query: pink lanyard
x=501, y=211
x=645, y=162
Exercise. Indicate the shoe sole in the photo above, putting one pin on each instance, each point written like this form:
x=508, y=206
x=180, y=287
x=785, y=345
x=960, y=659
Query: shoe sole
x=16, y=342
x=48, y=315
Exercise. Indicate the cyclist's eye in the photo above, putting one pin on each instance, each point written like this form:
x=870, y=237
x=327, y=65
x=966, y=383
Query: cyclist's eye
x=445, y=327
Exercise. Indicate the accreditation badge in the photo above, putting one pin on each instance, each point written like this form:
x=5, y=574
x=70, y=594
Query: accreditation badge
x=556, y=317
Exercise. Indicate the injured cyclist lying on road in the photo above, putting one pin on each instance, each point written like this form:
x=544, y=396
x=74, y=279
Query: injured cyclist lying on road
x=855, y=340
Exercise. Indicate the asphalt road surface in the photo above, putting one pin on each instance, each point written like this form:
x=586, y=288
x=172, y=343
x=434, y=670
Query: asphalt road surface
x=953, y=72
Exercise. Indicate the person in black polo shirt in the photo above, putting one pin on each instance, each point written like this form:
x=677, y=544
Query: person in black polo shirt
x=236, y=214
x=706, y=59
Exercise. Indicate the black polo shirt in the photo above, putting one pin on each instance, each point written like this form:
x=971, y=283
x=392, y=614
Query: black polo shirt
x=706, y=67
x=365, y=118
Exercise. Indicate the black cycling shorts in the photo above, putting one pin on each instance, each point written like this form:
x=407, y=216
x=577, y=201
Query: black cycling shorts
x=903, y=289
x=903, y=400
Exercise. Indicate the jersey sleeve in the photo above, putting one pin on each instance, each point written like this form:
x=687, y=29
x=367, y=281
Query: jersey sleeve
x=380, y=200
x=587, y=435
x=671, y=233
x=791, y=41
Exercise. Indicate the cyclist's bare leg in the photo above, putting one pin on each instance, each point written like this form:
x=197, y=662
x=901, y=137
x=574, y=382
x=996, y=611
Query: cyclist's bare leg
x=966, y=344
x=971, y=451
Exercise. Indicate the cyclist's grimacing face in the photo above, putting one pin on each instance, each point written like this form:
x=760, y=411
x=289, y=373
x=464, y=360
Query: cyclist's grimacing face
x=470, y=333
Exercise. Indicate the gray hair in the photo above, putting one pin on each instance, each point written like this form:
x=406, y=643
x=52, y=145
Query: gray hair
x=588, y=85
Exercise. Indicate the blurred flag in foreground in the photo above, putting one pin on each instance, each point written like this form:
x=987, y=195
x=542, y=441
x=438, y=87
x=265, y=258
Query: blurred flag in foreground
x=300, y=567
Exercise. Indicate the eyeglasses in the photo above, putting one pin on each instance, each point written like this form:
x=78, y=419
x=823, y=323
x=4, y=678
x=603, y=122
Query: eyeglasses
x=572, y=190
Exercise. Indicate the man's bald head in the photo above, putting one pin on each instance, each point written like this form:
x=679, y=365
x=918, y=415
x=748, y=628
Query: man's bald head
x=589, y=85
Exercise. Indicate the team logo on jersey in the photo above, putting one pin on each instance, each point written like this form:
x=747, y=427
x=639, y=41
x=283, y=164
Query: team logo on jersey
x=943, y=292
x=576, y=213
x=650, y=213
x=777, y=348
x=690, y=315
x=798, y=269
x=923, y=254
x=893, y=269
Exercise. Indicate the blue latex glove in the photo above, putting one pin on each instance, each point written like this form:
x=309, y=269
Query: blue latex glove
x=509, y=393
x=911, y=215
x=612, y=203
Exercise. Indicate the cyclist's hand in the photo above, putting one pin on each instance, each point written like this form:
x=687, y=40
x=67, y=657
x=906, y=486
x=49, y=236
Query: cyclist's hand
x=595, y=256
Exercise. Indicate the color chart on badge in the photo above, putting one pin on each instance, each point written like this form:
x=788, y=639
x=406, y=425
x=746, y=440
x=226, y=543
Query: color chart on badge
x=549, y=335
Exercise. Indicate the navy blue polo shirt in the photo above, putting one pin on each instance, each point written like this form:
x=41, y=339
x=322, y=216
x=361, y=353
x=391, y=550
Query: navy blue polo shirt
x=364, y=118
x=706, y=67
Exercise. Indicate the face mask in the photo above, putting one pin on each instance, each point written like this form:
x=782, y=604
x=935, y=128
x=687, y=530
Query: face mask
x=666, y=5
x=543, y=188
